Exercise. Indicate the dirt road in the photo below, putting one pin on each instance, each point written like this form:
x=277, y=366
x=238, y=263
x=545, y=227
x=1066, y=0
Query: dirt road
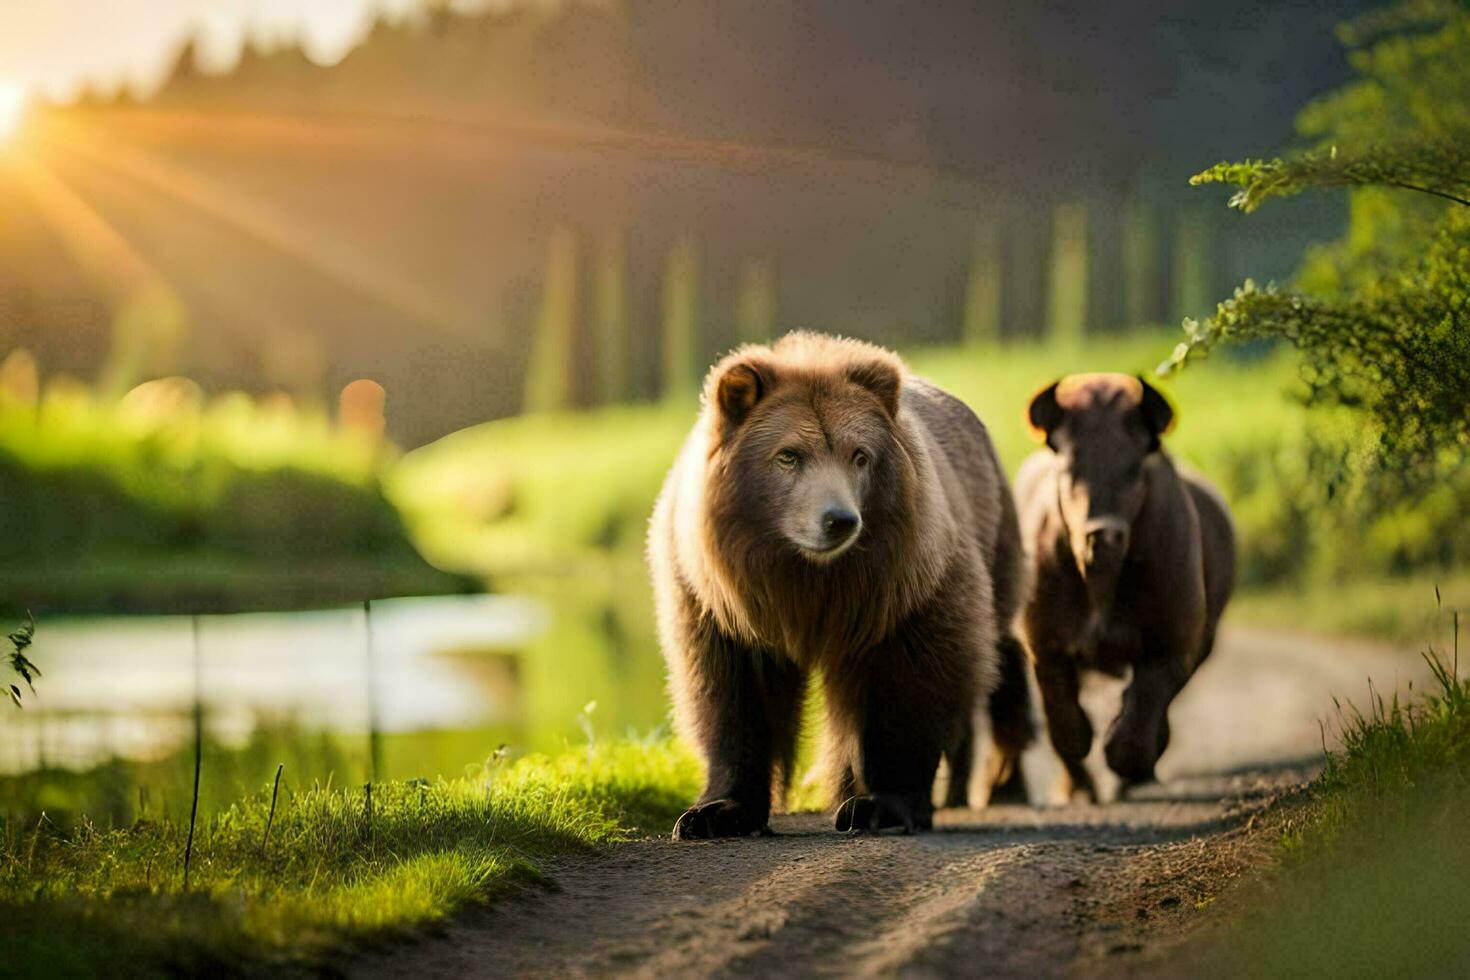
x=1006, y=891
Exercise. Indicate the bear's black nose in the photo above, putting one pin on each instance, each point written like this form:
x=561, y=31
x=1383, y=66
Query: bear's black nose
x=838, y=523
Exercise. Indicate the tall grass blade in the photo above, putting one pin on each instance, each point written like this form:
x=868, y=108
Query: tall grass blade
x=198, y=750
x=275, y=791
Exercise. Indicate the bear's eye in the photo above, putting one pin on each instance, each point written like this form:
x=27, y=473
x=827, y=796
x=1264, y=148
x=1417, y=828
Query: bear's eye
x=859, y=459
x=787, y=459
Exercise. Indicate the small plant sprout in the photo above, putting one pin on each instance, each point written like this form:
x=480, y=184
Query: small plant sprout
x=19, y=640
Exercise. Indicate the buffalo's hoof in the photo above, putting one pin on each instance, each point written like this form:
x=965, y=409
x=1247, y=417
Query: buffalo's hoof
x=1126, y=786
x=1012, y=790
x=883, y=811
x=718, y=818
x=1077, y=785
x=1131, y=762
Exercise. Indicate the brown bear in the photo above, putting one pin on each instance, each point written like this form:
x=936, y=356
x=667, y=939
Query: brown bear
x=831, y=512
x=1133, y=559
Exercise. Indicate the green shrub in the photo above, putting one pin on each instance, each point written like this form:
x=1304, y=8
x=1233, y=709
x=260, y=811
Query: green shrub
x=1381, y=317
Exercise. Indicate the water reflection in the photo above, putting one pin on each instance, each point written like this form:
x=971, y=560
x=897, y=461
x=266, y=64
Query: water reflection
x=109, y=732
x=125, y=686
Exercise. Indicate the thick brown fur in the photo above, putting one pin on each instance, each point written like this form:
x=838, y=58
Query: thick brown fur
x=902, y=625
x=1132, y=558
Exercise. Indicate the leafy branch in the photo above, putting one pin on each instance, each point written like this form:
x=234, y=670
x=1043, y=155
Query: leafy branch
x=1440, y=169
x=1399, y=350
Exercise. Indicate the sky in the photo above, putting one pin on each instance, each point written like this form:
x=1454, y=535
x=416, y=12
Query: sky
x=51, y=47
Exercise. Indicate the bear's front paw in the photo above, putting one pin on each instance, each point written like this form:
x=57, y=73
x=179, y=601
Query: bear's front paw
x=881, y=811
x=718, y=818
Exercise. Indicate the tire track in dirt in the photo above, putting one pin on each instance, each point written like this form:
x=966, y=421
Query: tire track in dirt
x=1004, y=891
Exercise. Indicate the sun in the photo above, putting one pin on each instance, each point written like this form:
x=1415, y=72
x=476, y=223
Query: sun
x=12, y=108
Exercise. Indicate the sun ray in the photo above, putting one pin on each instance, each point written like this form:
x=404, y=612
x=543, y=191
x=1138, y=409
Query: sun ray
x=250, y=314
x=12, y=108
x=480, y=134
x=265, y=223
x=97, y=247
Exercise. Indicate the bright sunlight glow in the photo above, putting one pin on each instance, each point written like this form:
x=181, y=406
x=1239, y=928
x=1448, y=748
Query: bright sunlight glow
x=12, y=108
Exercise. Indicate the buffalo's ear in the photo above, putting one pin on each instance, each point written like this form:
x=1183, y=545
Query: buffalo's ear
x=738, y=389
x=881, y=377
x=1044, y=415
x=1156, y=412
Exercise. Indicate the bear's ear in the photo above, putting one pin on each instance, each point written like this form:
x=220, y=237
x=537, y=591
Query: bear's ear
x=737, y=391
x=1044, y=414
x=882, y=378
x=1156, y=412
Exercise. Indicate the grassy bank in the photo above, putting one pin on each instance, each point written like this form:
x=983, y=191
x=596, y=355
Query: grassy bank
x=1371, y=878
x=336, y=866
x=178, y=504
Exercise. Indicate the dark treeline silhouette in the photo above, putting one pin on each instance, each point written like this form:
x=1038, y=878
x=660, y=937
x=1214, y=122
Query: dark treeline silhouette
x=582, y=203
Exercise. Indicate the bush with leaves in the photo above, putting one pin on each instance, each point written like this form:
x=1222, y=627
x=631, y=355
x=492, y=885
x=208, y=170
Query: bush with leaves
x=1382, y=316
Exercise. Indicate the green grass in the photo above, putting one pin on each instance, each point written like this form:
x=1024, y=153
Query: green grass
x=332, y=873
x=1373, y=878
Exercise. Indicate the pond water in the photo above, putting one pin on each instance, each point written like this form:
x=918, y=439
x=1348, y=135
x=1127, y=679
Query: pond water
x=440, y=681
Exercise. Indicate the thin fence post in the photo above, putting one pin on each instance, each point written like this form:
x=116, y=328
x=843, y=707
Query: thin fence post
x=375, y=737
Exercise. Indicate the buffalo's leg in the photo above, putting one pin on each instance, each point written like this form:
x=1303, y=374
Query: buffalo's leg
x=1140, y=733
x=1066, y=722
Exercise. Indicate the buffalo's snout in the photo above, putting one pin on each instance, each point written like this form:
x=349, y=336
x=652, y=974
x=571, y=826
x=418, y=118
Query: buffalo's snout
x=1105, y=545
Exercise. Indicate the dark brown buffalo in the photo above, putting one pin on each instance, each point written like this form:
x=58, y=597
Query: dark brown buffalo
x=1133, y=561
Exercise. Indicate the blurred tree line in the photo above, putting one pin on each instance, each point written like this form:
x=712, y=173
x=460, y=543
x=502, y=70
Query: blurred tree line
x=548, y=205
x=1381, y=316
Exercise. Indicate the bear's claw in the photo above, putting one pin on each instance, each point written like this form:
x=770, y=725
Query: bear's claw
x=717, y=818
x=882, y=811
